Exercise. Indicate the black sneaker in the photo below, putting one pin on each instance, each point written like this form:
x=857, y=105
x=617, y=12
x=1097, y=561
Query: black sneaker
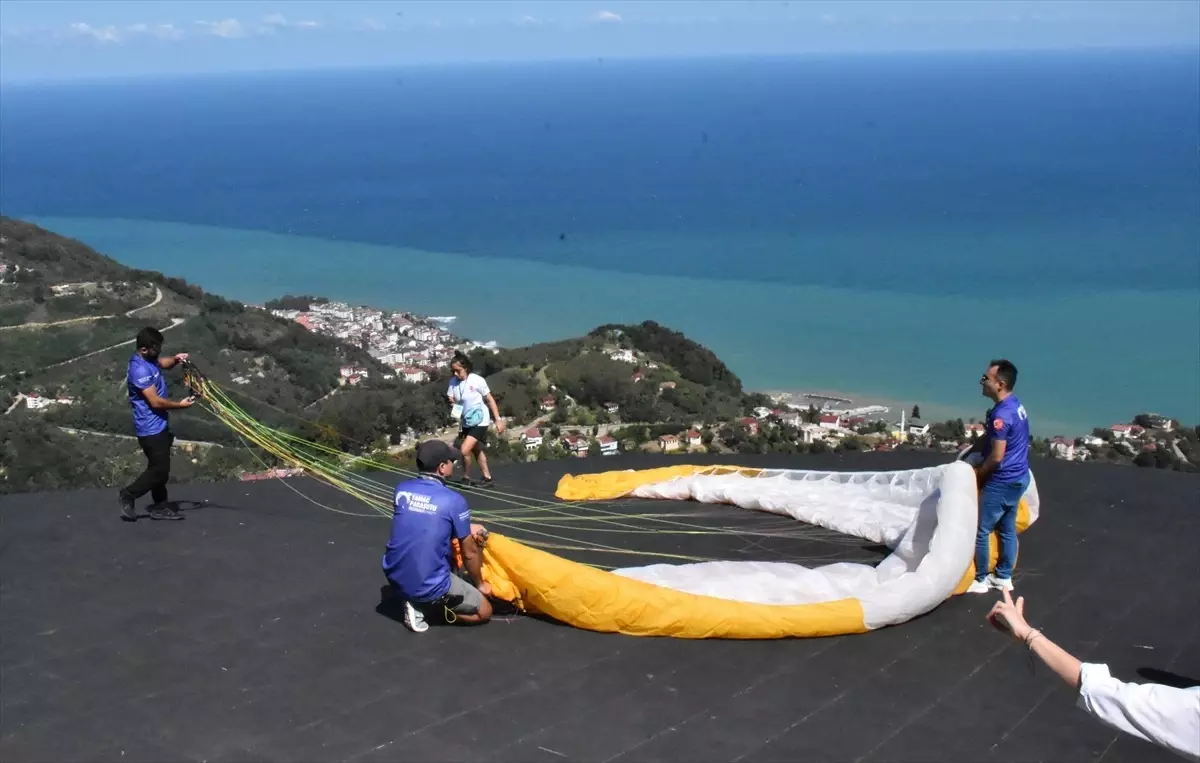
x=128, y=513
x=486, y=482
x=164, y=511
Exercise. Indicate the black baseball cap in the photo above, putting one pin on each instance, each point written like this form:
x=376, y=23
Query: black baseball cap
x=432, y=453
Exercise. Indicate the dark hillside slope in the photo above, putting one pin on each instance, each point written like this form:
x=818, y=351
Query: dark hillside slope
x=290, y=367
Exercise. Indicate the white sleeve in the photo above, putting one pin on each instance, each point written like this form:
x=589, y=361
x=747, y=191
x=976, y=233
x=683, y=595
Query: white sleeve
x=1160, y=714
x=482, y=385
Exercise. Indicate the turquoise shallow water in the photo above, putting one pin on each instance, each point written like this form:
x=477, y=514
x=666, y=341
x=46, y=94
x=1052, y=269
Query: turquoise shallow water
x=1088, y=359
x=882, y=225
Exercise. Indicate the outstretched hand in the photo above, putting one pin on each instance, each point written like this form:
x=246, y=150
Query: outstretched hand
x=1009, y=617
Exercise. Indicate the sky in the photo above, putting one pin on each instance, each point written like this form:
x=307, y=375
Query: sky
x=70, y=39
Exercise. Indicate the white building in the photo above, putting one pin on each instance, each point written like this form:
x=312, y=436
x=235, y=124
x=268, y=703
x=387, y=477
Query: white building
x=532, y=438
x=1062, y=448
x=414, y=375
x=36, y=402
x=810, y=433
x=830, y=421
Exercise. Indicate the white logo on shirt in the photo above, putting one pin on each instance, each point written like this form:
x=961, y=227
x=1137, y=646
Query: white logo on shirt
x=417, y=502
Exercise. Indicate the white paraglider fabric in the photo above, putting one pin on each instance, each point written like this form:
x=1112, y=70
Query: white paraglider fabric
x=926, y=516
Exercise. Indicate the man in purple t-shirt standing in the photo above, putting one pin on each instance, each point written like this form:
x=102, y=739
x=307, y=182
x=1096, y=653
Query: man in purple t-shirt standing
x=147, y=390
x=1002, y=476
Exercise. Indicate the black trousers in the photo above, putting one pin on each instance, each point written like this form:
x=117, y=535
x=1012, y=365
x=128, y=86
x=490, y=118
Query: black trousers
x=153, y=480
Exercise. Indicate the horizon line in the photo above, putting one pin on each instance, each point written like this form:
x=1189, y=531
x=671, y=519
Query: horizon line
x=576, y=59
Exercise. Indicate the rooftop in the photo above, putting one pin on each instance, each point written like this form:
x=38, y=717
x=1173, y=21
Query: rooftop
x=250, y=632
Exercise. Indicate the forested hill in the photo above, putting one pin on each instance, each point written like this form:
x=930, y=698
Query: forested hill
x=694, y=362
x=61, y=301
x=631, y=374
x=68, y=315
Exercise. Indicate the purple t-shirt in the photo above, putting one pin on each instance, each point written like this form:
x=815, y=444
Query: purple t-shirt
x=1008, y=421
x=143, y=374
x=427, y=515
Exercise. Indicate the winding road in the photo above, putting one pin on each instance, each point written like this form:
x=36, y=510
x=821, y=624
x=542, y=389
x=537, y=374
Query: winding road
x=158, y=295
x=174, y=323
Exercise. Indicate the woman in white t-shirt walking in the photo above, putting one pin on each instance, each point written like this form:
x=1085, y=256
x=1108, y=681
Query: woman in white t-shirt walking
x=475, y=408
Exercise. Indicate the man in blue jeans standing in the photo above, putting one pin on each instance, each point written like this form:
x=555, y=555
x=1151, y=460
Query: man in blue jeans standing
x=1003, y=475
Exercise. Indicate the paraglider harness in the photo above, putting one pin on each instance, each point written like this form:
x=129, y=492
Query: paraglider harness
x=449, y=601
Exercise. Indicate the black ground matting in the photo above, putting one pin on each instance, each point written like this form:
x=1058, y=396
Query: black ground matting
x=249, y=632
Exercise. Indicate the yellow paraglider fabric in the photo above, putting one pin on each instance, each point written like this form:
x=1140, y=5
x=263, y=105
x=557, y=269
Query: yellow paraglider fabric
x=606, y=486
x=593, y=599
x=619, y=484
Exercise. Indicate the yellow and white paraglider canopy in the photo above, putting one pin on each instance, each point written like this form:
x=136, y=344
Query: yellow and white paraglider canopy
x=927, y=517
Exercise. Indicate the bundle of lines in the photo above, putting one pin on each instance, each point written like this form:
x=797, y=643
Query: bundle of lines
x=531, y=519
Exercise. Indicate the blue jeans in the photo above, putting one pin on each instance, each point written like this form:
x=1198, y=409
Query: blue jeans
x=998, y=511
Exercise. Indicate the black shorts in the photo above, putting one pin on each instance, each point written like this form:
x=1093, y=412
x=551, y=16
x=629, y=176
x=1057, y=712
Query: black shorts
x=479, y=433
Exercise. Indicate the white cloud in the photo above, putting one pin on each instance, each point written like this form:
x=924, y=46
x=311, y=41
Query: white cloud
x=528, y=21
x=161, y=31
x=607, y=17
x=828, y=18
x=370, y=25
x=103, y=34
x=276, y=21
x=227, y=28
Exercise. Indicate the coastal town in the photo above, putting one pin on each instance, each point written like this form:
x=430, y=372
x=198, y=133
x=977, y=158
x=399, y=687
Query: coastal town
x=415, y=348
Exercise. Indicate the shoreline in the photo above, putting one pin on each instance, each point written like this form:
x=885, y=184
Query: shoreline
x=883, y=330
x=842, y=399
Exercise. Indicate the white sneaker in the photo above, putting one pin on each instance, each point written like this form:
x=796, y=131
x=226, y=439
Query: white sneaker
x=1000, y=584
x=414, y=620
x=979, y=586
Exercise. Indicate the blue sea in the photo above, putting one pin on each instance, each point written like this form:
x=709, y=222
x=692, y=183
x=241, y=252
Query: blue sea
x=881, y=226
